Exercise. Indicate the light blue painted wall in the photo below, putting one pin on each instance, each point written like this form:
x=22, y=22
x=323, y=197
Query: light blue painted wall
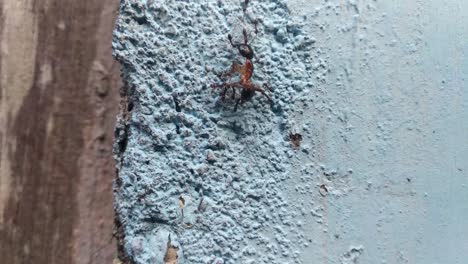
x=379, y=91
x=405, y=95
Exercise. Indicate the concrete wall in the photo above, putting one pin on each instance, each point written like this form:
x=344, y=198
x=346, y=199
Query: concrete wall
x=378, y=91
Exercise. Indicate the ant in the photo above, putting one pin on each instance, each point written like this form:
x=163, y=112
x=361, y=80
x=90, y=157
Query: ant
x=245, y=71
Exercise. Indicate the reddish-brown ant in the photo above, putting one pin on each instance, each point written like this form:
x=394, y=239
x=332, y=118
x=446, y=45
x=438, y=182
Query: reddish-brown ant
x=245, y=71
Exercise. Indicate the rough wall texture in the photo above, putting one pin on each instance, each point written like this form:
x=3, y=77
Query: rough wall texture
x=377, y=90
x=58, y=99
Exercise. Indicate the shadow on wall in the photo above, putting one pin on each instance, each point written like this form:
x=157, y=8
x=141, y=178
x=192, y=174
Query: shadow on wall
x=59, y=89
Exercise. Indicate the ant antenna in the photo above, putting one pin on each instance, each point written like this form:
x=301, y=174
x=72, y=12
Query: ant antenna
x=232, y=43
x=256, y=26
x=246, y=3
x=244, y=32
x=256, y=31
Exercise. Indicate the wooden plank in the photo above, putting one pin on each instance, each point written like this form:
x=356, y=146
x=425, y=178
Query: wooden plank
x=58, y=100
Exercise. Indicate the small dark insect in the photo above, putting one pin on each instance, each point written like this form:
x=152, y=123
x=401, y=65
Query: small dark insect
x=296, y=139
x=245, y=71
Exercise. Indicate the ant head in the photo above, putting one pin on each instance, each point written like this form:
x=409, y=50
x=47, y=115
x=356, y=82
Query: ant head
x=246, y=51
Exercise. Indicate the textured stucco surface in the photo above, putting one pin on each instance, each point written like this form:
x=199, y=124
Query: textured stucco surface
x=378, y=91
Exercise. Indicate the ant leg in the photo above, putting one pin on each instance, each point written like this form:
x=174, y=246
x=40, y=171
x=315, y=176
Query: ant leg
x=255, y=25
x=230, y=41
x=235, y=67
x=239, y=100
x=257, y=88
x=233, y=93
x=217, y=85
x=266, y=85
x=256, y=32
x=237, y=103
x=223, y=93
x=234, y=85
x=221, y=85
x=246, y=41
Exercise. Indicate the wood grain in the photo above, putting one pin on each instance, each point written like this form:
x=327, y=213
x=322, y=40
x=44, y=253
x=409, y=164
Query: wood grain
x=58, y=99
